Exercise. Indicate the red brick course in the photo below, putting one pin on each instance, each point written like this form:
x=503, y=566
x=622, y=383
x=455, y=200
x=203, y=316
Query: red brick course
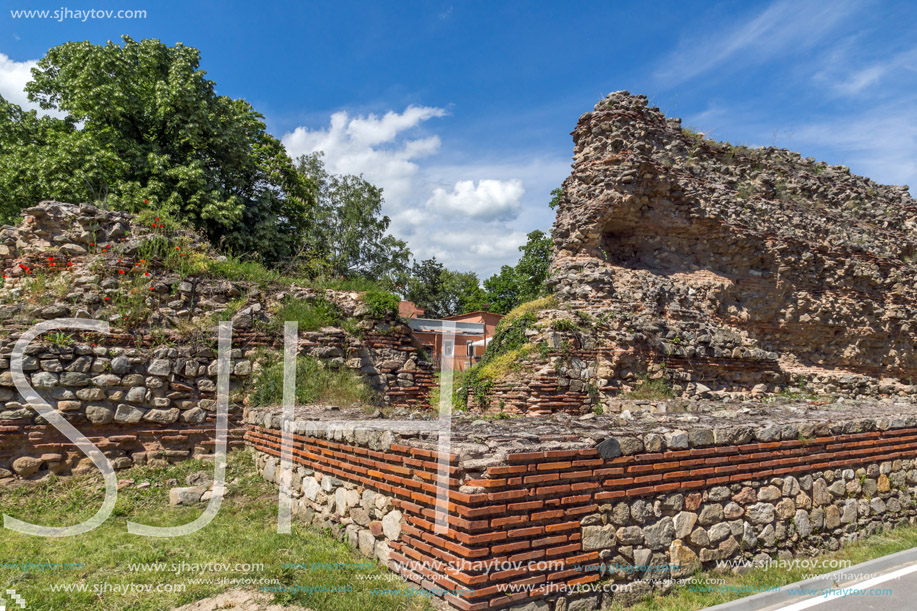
x=532, y=505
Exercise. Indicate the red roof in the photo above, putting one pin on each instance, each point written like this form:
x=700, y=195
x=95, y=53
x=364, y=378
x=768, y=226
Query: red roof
x=407, y=309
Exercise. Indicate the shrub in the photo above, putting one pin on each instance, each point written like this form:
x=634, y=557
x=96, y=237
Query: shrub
x=381, y=304
x=311, y=314
x=315, y=383
x=659, y=388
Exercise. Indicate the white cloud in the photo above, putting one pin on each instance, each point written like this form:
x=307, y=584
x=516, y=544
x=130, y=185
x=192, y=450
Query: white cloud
x=786, y=26
x=481, y=249
x=13, y=77
x=372, y=145
x=846, y=78
x=880, y=143
x=490, y=200
x=472, y=213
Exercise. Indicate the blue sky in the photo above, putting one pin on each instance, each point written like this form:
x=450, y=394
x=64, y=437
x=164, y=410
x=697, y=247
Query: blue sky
x=462, y=111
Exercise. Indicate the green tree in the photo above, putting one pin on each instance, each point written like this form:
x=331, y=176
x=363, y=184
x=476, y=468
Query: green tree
x=348, y=230
x=526, y=280
x=424, y=286
x=556, y=194
x=444, y=292
x=145, y=129
x=462, y=293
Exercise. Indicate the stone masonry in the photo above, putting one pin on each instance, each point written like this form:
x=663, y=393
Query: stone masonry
x=627, y=504
x=146, y=390
x=728, y=271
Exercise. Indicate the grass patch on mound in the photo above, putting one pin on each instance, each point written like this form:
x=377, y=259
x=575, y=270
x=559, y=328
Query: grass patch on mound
x=315, y=383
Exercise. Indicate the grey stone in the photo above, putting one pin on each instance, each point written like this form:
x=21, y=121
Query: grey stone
x=159, y=367
x=186, y=496
x=391, y=525
x=162, y=416
x=760, y=513
x=128, y=414
x=660, y=535
x=802, y=523
x=598, y=537
x=99, y=414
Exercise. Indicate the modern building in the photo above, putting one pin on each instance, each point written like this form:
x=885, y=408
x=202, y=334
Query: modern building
x=473, y=331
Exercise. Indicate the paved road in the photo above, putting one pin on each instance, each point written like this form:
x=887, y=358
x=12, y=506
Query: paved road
x=884, y=584
x=895, y=588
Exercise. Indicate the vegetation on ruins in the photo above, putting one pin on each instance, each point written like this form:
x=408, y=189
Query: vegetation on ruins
x=508, y=347
x=316, y=383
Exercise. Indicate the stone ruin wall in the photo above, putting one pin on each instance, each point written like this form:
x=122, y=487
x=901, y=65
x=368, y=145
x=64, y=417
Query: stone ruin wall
x=733, y=272
x=629, y=508
x=147, y=393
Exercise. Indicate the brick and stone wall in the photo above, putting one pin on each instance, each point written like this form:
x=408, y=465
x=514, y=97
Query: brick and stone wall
x=600, y=500
x=733, y=272
x=145, y=391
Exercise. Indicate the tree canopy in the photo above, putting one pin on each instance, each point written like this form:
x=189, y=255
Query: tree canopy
x=347, y=236
x=145, y=129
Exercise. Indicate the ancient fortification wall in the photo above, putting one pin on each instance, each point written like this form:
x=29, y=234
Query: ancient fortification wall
x=726, y=270
x=146, y=390
x=552, y=503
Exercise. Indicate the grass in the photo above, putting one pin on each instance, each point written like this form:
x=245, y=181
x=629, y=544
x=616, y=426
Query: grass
x=458, y=379
x=530, y=307
x=315, y=383
x=684, y=599
x=659, y=388
x=503, y=364
x=244, y=531
x=310, y=314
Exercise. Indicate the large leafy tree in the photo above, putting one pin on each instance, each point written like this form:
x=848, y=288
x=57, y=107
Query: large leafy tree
x=525, y=281
x=144, y=128
x=443, y=292
x=347, y=236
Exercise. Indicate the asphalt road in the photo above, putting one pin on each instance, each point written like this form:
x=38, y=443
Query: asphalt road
x=888, y=583
x=889, y=590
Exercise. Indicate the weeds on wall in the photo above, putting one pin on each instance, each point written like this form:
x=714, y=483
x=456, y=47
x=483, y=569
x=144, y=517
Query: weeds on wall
x=316, y=382
x=508, y=348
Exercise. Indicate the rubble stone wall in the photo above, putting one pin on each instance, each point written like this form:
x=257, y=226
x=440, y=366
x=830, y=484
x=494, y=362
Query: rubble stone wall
x=566, y=502
x=146, y=390
x=730, y=271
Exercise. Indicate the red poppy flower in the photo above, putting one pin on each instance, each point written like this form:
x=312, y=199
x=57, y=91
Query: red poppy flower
x=106, y=299
x=51, y=264
x=69, y=262
x=50, y=258
x=146, y=201
x=120, y=271
x=146, y=273
x=92, y=243
x=157, y=218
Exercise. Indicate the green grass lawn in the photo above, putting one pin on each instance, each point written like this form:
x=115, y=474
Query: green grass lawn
x=685, y=599
x=244, y=531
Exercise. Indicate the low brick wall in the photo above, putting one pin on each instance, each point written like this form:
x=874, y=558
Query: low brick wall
x=557, y=503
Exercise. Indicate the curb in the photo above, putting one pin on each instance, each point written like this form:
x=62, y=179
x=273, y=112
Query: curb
x=765, y=600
